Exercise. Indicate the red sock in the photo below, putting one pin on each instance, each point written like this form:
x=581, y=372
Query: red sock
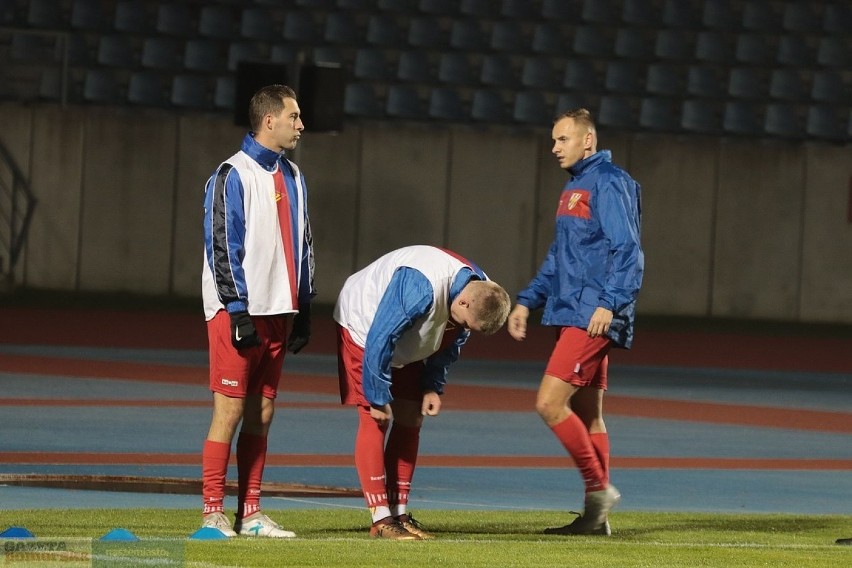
x=600, y=441
x=370, y=461
x=214, y=469
x=251, y=458
x=574, y=436
x=400, y=460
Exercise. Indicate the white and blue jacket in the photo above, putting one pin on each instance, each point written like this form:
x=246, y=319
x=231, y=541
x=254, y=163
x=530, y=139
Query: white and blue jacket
x=246, y=264
x=397, y=309
x=596, y=258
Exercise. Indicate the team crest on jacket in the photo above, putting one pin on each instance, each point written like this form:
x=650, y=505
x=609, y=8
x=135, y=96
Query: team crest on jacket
x=574, y=203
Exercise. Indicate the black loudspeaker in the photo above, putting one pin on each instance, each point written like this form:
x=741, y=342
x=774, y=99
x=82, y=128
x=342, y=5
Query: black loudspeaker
x=321, y=91
x=250, y=78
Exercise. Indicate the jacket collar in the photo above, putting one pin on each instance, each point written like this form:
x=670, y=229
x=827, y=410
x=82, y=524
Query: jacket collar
x=267, y=158
x=586, y=163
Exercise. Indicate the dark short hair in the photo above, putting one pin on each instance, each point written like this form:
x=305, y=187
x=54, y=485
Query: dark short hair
x=268, y=100
x=580, y=115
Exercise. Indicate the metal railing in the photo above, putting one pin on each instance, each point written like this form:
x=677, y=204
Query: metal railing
x=17, y=204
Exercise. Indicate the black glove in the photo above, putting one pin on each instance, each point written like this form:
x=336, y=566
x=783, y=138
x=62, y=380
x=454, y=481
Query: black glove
x=301, y=332
x=243, y=333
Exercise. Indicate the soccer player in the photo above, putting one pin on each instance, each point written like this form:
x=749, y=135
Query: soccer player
x=257, y=282
x=401, y=322
x=587, y=284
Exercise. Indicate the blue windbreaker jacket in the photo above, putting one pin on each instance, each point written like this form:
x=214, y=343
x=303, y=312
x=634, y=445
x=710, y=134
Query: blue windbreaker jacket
x=596, y=258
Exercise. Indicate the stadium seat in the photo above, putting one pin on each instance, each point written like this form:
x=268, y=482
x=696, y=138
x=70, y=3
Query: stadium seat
x=754, y=49
x=342, y=28
x=467, y=34
x=704, y=81
x=203, y=55
x=488, y=106
x=760, y=15
x=835, y=51
x=455, y=68
x=549, y=39
x=823, y=121
x=634, y=43
x=786, y=84
x=801, y=17
x=225, y=93
x=827, y=87
x=523, y=10
x=89, y=15
x=373, y=64
x=561, y=10
x=146, y=88
x=747, y=83
x=674, y=44
x=8, y=13
x=324, y=54
x=742, y=118
x=446, y=104
x=404, y=102
x=216, y=22
x=538, y=72
x=783, y=119
x=427, y=32
x=571, y=101
x=478, y=8
x=101, y=86
x=531, y=107
x=665, y=79
x=616, y=112
x=257, y=23
x=415, y=67
x=360, y=99
x=641, y=13
x=623, y=76
x=384, y=30
x=243, y=51
x=284, y=53
x=713, y=47
x=34, y=48
x=50, y=85
x=719, y=15
x=681, y=14
x=160, y=52
x=497, y=71
x=795, y=50
x=175, y=18
x=80, y=50
x=837, y=18
x=439, y=7
x=658, y=113
x=190, y=91
x=701, y=116
x=592, y=41
x=116, y=51
x=600, y=12
x=300, y=27
x=133, y=16
x=581, y=75
x=43, y=15
x=508, y=36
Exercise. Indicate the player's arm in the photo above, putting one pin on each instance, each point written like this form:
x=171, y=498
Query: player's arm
x=301, y=332
x=435, y=372
x=408, y=297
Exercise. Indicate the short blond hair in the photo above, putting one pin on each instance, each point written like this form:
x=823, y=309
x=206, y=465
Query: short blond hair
x=491, y=306
x=580, y=116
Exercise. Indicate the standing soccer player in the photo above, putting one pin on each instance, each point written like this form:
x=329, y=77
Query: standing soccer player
x=257, y=282
x=401, y=322
x=587, y=284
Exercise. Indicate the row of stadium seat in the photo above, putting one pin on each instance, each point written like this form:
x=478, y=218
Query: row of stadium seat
x=225, y=19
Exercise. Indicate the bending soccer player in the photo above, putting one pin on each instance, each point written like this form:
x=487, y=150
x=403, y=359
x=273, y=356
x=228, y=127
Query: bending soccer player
x=401, y=322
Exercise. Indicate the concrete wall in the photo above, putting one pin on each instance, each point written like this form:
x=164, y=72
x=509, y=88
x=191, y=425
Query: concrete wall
x=731, y=227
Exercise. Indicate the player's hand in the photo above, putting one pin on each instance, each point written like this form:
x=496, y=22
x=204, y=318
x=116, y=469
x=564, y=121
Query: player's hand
x=301, y=332
x=431, y=405
x=600, y=322
x=518, y=322
x=381, y=414
x=243, y=333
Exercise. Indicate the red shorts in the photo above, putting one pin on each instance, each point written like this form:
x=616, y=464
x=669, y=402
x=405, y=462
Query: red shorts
x=579, y=359
x=256, y=370
x=405, y=381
